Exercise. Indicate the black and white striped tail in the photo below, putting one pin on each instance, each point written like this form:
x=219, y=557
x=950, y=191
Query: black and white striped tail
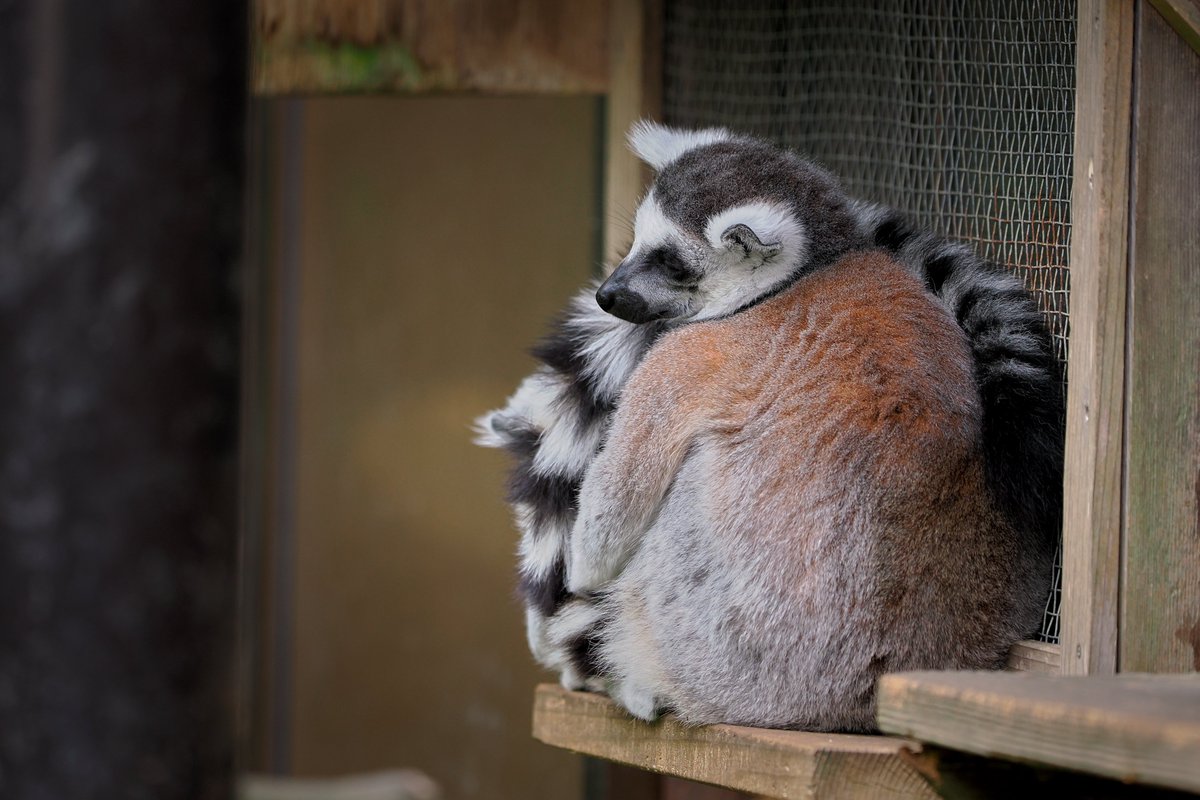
x=1017, y=374
x=553, y=426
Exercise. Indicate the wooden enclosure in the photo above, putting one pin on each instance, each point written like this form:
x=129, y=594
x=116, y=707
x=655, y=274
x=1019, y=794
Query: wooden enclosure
x=1131, y=532
x=536, y=46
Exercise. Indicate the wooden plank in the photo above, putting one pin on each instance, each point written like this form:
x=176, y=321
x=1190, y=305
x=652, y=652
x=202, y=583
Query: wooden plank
x=783, y=764
x=1095, y=366
x=1031, y=656
x=635, y=91
x=496, y=46
x=1135, y=728
x=1160, y=582
x=1184, y=17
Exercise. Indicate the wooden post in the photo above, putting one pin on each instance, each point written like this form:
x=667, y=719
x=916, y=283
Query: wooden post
x=120, y=230
x=635, y=91
x=1096, y=364
x=1160, y=580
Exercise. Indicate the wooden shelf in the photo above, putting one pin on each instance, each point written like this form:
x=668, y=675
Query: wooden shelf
x=1135, y=728
x=782, y=764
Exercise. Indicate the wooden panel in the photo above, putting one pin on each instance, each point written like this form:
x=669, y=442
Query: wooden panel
x=635, y=91
x=1136, y=728
x=1184, y=17
x=1160, y=585
x=1099, y=207
x=1033, y=656
x=543, y=46
x=784, y=764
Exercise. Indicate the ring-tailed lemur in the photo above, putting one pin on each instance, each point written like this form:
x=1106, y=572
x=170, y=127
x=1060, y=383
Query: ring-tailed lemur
x=680, y=584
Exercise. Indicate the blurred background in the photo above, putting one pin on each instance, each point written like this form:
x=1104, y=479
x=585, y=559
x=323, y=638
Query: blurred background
x=413, y=249
x=261, y=265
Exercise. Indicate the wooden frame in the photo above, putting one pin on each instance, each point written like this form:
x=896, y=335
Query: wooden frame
x=1159, y=607
x=1130, y=599
x=1096, y=365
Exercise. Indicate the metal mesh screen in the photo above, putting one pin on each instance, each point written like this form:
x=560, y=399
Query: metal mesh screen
x=959, y=113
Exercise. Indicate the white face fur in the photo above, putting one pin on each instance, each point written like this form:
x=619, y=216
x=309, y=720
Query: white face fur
x=745, y=252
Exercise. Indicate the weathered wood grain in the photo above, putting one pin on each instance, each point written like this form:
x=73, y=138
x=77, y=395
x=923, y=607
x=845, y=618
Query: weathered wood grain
x=498, y=46
x=635, y=91
x=1160, y=582
x=1135, y=728
x=1031, y=656
x=782, y=764
x=1096, y=364
x=1184, y=17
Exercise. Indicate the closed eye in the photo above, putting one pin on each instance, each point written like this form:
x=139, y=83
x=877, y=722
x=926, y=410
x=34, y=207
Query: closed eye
x=668, y=260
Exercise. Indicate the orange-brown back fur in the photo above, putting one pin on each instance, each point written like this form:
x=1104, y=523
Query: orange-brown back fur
x=810, y=472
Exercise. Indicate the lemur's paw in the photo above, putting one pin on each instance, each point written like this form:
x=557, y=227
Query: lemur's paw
x=638, y=701
x=571, y=679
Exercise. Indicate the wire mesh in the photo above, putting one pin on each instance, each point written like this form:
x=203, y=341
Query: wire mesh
x=959, y=113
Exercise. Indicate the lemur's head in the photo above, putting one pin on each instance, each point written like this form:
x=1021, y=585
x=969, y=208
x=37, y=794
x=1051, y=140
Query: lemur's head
x=727, y=220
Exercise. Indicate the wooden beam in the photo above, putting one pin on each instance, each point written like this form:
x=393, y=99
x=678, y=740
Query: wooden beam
x=635, y=91
x=1184, y=17
x=494, y=46
x=1135, y=728
x=1160, y=581
x=782, y=764
x=1095, y=366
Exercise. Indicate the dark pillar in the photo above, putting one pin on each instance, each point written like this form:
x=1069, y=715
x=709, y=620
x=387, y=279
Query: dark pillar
x=121, y=149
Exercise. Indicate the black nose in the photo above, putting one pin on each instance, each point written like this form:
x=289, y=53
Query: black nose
x=606, y=297
x=624, y=304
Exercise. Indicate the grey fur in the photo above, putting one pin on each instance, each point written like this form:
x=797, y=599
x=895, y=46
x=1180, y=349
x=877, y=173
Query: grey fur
x=692, y=188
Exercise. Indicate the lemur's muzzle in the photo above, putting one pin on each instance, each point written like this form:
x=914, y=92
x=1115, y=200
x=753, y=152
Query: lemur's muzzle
x=623, y=295
x=624, y=303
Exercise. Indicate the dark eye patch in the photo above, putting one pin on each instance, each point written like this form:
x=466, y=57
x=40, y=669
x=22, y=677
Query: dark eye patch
x=669, y=262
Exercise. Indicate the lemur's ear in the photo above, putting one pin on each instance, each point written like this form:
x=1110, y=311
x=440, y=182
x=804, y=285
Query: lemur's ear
x=659, y=145
x=760, y=228
x=742, y=240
